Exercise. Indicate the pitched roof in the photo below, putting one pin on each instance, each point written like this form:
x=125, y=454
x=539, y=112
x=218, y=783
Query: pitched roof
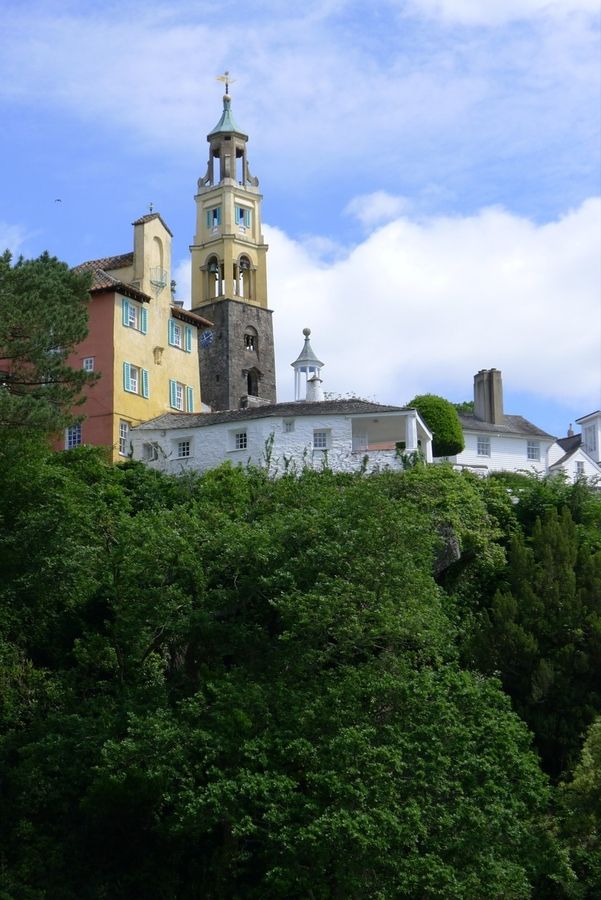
x=149, y=217
x=109, y=262
x=285, y=410
x=570, y=443
x=191, y=318
x=102, y=280
x=509, y=425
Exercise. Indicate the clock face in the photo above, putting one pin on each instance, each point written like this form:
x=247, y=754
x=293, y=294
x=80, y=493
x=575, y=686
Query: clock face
x=206, y=339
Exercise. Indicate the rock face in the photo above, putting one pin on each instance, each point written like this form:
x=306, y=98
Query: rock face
x=449, y=551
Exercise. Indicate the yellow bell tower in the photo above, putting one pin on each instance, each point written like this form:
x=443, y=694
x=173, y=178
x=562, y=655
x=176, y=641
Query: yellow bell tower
x=229, y=274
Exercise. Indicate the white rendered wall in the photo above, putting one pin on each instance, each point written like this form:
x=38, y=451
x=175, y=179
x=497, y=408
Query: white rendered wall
x=212, y=445
x=508, y=453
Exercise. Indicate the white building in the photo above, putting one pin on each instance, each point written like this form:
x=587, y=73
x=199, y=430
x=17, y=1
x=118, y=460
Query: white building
x=497, y=442
x=343, y=435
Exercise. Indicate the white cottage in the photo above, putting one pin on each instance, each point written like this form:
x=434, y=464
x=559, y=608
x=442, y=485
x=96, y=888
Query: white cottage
x=343, y=435
x=496, y=442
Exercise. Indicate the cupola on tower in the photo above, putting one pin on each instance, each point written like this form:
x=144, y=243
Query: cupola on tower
x=229, y=275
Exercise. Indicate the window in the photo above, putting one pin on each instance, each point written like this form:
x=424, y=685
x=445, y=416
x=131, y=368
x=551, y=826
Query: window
x=181, y=396
x=184, y=449
x=249, y=342
x=483, y=446
x=180, y=336
x=214, y=217
x=123, y=435
x=73, y=436
x=135, y=380
x=88, y=363
x=579, y=469
x=533, y=450
x=289, y=426
x=320, y=440
x=243, y=217
x=240, y=440
x=150, y=451
x=589, y=436
x=134, y=316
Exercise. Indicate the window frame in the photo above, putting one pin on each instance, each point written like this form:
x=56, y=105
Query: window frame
x=321, y=439
x=533, y=451
x=73, y=436
x=123, y=436
x=88, y=363
x=483, y=447
x=139, y=384
x=134, y=316
x=240, y=440
x=182, y=443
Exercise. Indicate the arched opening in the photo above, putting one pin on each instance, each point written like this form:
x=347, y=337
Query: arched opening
x=243, y=281
x=215, y=278
x=251, y=339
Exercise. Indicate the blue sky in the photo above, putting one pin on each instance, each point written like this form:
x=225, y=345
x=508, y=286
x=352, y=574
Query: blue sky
x=430, y=171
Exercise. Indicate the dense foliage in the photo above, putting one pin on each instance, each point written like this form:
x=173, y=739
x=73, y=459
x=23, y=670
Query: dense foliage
x=229, y=686
x=43, y=315
x=441, y=418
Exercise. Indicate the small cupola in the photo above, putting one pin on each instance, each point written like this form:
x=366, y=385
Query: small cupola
x=310, y=366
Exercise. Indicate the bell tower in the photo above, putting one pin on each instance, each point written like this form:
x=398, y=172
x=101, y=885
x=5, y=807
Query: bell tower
x=229, y=275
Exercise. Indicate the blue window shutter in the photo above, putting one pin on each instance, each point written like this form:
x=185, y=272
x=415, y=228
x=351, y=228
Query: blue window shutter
x=126, y=376
x=247, y=217
x=218, y=217
x=172, y=397
x=143, y=320
x=188, y=338
x=171, y=334
x=190, y=399
x=125, y=311
x=208, y=218
x=145, y=383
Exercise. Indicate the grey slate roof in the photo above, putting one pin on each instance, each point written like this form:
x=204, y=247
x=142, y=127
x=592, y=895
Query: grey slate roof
x=570, y=443
x=275, y=410
x=510, y=425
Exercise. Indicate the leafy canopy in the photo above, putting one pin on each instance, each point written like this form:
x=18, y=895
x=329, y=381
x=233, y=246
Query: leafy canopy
x=441, y=418
x=43, y=315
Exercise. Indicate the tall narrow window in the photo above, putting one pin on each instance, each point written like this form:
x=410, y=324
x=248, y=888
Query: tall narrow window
x=483, y=446
x=533, y=450
x=73, y=436
x=123, y=436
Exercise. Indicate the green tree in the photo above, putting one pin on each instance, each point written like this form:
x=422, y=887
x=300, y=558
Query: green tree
x=581, y=820
x=441, y=418
x=43, y=315
x=250, y=689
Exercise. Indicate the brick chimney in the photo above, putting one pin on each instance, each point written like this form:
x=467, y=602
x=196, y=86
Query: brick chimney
x=488, y=396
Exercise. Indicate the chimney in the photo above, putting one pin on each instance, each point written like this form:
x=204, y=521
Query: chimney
x=570, y=431
x=314, y=392
x=488, y=396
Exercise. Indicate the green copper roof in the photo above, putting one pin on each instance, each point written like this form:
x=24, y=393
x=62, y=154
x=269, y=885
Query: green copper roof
x=226, y=122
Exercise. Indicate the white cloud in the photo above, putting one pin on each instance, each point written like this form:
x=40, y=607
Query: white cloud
x=422, y=307
x=376, y=208
x=12, y=237
x=496, y=12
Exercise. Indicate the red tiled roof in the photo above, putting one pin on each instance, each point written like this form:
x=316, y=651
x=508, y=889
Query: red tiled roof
x=191, y=318
x=107, y=263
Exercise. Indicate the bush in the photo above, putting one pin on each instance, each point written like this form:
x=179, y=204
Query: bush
x=441, y=418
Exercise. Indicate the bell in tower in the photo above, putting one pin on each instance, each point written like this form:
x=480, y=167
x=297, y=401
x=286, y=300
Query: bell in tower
x=229, y=274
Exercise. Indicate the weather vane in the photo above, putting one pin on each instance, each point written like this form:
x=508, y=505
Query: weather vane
x=227, y=80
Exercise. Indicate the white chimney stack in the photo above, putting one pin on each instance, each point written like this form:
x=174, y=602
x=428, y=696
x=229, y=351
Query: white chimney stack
x=314, y=391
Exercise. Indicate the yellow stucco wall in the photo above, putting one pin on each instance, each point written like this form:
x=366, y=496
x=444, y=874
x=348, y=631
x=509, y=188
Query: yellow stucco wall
x=150, y=351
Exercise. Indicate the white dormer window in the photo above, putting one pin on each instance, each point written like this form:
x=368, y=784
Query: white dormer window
x=589, y=438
